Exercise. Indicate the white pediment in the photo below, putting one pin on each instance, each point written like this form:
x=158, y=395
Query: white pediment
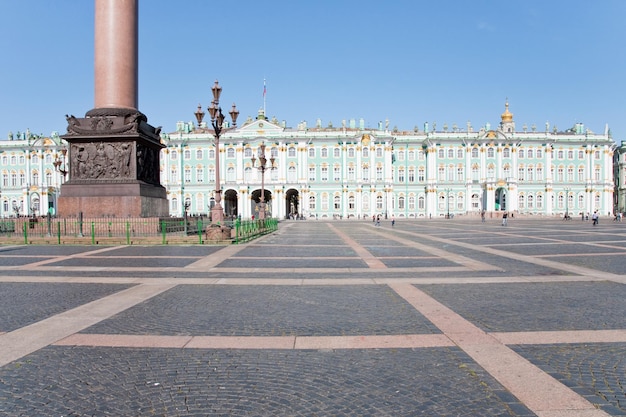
x=261, y=127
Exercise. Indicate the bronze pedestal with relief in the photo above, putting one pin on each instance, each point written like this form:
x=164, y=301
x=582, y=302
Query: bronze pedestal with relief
x=113, y=166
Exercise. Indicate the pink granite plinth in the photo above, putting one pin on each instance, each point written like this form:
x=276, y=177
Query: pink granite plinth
x=113, y=200
x=217, y=233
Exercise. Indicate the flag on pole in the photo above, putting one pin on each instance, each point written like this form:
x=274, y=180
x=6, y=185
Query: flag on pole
x=264, y=93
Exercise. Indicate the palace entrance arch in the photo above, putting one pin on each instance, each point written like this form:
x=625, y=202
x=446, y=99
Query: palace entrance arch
x=256, y=203
x=231, y=209
x=500, y=196
x=292, y=203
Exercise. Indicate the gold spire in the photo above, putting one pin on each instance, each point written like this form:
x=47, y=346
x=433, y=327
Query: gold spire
x=507, y=116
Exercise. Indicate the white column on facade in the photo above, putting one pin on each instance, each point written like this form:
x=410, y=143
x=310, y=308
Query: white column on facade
x=549, y=206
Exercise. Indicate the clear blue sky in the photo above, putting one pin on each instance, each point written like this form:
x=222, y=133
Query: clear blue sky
x=410, y=61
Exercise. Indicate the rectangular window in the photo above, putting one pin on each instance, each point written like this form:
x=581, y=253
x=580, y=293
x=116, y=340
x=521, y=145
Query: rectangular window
x=324, y=173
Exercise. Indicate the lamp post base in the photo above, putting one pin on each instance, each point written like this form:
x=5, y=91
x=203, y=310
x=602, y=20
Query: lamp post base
x=217, y=215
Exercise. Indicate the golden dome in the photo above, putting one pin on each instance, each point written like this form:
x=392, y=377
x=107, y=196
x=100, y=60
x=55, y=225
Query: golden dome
x=507, y=116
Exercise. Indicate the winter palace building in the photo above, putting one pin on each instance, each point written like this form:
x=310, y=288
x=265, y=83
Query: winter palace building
x=352, y=171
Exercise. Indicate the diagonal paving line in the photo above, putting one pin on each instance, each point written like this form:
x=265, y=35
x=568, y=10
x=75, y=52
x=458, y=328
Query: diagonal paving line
x=579, y=270
x=214, y=259
x=363, y=253
x=540, y=392
x=441, y=253
x=63, y=258
x=25, y=340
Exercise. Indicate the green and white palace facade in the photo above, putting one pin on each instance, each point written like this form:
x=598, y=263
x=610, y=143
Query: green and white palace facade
x=352, y=171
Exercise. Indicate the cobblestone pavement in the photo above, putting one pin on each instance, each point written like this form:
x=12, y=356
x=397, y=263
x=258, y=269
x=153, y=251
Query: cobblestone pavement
x=323, y=318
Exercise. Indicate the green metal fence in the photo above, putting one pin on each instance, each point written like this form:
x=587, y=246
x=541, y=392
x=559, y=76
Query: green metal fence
x=191, y=230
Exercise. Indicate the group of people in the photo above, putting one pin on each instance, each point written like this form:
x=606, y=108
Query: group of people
x=376, y=220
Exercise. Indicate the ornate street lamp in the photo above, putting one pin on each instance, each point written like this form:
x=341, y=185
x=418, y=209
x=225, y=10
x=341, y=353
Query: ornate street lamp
x=262, y=166
x=217, y=121
x=59, y=164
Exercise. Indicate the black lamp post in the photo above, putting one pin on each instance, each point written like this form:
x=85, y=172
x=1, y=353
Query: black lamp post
x=262, y=166
x=448, y=202
x=217, y=121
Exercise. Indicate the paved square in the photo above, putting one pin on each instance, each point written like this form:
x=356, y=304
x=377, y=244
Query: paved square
x=323, y=318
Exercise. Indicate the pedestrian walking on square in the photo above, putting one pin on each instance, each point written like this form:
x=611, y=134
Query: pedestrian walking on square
x=393, y=221
x=594, y=218
x=482, y=216
x=505, y=216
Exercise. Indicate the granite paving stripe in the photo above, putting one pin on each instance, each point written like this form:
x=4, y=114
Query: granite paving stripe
x=258, y=342
x=540, y=392
x=25, y=340
x=215, y=258
x=131, y=341
x=545, y=337
x=368, y=258
x=134, y=262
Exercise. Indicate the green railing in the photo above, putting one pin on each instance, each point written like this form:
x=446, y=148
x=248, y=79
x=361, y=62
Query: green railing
x=129, y=231
x=250, y=229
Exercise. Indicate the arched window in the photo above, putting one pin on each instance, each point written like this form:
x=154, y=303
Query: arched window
x=506, y=153
x=230, y=174
x=337, y=152
x=401, y=202
x=291, y=152
x=420, y=203
x=490, y=152
x=291, y=174
x=199, y=154
x=366, y=152
x=230, y=152
x=312, y=202
x=247, y=152
x=337, y=202
x=475, y=202
x=311, y=152
x=475, y=153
